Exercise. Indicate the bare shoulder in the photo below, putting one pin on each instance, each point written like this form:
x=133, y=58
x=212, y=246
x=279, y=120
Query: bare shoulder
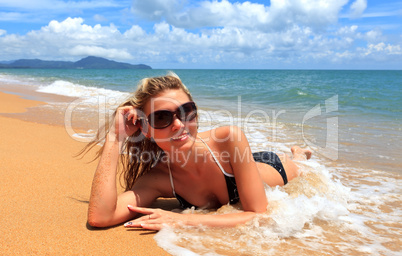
x=223, y=137
x=157, y=179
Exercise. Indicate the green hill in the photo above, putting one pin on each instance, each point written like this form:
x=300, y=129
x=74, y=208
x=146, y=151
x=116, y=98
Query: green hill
x=85, y=63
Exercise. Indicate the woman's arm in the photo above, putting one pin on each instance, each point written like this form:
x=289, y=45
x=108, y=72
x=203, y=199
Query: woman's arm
x=155, y=219
x=103, y=209
x=106, y=208
x=249, y=184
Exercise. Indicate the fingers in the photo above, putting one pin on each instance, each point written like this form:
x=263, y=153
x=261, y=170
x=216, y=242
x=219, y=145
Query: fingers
x=125, y=122
x=151, y=220
x=128, y=112
x=149, y=226
x=141, y=210
x=152, y=226
x=145, y=222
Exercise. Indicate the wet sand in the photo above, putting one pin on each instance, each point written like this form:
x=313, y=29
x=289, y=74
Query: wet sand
x=44, y=193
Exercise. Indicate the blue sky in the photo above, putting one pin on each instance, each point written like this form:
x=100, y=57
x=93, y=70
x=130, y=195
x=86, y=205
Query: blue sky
x=276, y=34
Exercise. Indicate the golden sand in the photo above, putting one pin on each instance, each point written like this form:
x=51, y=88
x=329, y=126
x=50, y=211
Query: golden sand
x=44, y=193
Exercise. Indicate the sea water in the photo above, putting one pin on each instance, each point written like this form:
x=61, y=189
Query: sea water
x=347, y=200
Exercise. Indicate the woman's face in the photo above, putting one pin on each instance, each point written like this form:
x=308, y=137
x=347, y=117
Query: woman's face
x=180, y=134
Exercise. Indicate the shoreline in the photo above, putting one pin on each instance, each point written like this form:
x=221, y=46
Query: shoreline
x=361, y=143
x=67, y=112
x=45, y=191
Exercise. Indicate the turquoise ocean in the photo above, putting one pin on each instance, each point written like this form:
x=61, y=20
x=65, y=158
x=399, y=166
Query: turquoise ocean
x=348, y=202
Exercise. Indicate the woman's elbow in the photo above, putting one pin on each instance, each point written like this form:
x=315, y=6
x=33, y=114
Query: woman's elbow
x=98, y=220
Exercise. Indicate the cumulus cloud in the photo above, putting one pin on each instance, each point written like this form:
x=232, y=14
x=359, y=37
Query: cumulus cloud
x=383, y=48
x=87, y=50
x=278, y=16
x=374, y=35
x=70, y=37
x=357, y=8
x=224, y=34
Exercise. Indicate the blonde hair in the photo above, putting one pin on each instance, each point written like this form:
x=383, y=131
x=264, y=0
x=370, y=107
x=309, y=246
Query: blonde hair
x=134, y=166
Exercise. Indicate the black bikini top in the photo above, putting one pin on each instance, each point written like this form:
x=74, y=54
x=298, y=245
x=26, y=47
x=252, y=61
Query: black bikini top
x=229, y=178
x=266, y=157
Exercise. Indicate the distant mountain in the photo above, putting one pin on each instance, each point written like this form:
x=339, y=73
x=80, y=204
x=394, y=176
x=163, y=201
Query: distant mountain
x=3, y=64
x=35, y=63
x=85, y=63
x=99, y=63
x=6, y=62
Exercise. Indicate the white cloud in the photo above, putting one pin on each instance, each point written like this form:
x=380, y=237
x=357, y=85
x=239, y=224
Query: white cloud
x=11, y=16
x=278, y=16
x=86, y=50
x=40, y=11
x=73, y=29
x=2, y=32
x=100, y=18
x=169, y=44
x=357, y=8
x=382, y=14
x=347, y=31
x=57, y=4
x=226, y=35
x=134, y=32
x=156, y=9
x=374, y=36
x=70, y=37
x=383, y=48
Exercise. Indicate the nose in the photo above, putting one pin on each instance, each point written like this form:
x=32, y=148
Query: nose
x=177, y=123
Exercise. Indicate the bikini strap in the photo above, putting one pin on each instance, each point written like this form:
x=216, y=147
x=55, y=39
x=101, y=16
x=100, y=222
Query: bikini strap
x=171, y=178
x=216, y=160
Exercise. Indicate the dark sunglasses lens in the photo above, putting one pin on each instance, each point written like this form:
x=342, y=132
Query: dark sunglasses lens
x=161, y=119
x=188, y=111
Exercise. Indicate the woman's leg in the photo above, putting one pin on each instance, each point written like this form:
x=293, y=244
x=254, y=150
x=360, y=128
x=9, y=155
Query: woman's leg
x=291, y=169
x=300, y=153
x=272, y=177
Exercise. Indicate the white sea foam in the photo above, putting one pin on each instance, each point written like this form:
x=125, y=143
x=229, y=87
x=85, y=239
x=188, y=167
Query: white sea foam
x=315, y=212
x=89, y=94
x=16, y=80
x=92, y=103
x=289, y=215
x=7, y=79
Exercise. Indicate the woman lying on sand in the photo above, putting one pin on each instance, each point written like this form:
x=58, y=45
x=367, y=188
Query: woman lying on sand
x=165, y=156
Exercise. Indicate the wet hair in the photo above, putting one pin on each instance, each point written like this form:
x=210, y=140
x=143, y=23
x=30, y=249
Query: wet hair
x=134, y=166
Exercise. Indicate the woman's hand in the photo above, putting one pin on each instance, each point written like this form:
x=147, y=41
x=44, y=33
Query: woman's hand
x=154, y=219
x=125, y=122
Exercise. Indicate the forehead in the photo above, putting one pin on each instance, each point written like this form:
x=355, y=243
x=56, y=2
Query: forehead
x=167, y=100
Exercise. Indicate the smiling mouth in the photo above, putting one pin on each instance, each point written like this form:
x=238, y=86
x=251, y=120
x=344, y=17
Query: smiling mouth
x=181, y=137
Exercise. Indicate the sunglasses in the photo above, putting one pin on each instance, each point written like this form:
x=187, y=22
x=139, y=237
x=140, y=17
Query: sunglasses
x=163, y=118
